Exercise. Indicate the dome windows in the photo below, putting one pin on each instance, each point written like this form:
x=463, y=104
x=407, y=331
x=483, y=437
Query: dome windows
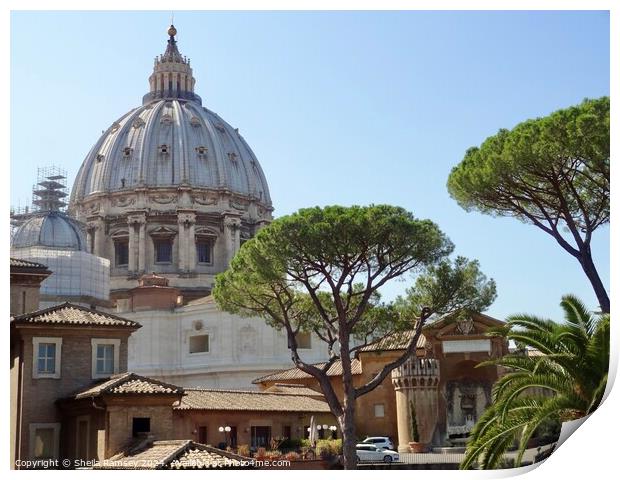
x=127, y=151
x=202, y=151
x=195, y=122
x=164, y=149
x=232, y=156
x=138, y=123
x=99, y=158
x=166, y=119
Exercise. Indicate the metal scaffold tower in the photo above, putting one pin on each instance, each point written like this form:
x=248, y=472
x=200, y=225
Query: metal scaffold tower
x=48, y=194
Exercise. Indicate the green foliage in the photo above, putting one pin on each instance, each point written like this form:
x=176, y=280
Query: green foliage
x=243, y=450
x=566, y=382
x=552, y=172
x=323, y=265
x=329, y=448
x=448, y=286
x=415, y=434
x=539, y=165
x=293, y=444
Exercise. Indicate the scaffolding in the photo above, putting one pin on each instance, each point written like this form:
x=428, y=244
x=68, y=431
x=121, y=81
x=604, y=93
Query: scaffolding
x=48, y=194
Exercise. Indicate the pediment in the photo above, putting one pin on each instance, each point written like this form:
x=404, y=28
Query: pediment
x=163, y=232
x=475, y=324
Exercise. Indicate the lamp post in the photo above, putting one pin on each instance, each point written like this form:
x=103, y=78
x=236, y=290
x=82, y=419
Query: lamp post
x=325, y=428
x=226, y=431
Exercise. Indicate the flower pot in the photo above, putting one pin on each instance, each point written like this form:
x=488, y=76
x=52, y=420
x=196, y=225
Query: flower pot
x=417, y=447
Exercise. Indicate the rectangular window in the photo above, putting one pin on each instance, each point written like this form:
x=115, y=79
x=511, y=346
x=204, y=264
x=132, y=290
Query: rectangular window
x=44, y=440
x=304, y=340
x=286, y=431
x=46, y=362
x=379, y=410
x=44, y=443
x=46, y=354
x=163, y=251
x=105, y=356
x=105, y=359
x=203, y=251
x=260, y=436
x=141, y=425
x=199, y=344
x=121, y=253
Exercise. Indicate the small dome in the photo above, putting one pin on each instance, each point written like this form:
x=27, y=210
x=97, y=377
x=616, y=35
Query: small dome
x=51, y=229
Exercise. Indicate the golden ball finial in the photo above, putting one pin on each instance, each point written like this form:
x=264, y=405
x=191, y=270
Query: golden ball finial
x=172, y=31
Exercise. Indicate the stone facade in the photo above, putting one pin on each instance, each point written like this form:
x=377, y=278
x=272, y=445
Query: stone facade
x=442, y=382
x=236, y=350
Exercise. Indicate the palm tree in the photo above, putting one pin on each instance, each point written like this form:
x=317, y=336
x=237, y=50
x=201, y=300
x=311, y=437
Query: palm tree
x=566, y=382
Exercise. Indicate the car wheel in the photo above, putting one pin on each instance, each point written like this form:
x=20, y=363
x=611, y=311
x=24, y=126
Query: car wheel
x=387, y=459
x=358, y=459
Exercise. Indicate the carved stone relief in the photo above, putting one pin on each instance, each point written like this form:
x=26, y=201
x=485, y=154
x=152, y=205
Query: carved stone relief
x=122, y=201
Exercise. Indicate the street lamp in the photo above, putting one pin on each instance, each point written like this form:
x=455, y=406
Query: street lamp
x=226, y=431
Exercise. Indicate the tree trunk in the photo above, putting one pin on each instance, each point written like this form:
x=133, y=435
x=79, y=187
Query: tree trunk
x=587, y=264
x=347, y=426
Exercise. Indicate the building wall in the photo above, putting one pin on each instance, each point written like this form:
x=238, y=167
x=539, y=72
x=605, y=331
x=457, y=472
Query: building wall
x=24, y=298
x=76, y=274
x=366, y=422
x=120, y=417
x=240, y=349
x=187, y=423
x=40, y=394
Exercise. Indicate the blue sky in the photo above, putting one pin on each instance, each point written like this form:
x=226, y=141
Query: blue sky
x=340, y=108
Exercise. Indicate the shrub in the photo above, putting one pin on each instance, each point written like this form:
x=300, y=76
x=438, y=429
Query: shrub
x=261, y=452
x=328, y=448
x=292, y=456
x=243, y=450
x=273, y=454
x=292, y=444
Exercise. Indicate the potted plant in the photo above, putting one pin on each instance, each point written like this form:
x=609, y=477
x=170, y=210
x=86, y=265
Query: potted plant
x=415, y=445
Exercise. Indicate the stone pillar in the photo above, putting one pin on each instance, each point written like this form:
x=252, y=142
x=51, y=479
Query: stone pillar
x=96, y=238
x=142, y=247
x=137, y=243
x=232, y=226
x=187, y=246
x=182, y=243
x=417, y=381
x=191, y=247
x=131, y=267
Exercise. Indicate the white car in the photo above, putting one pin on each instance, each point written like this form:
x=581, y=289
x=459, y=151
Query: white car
x=382, y=442
x=367, y=452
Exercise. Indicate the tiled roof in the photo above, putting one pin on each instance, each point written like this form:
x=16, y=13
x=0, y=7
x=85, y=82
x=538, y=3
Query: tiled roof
x=248, y=400
x=173, y=454
x=130, y=383
x=396, y=341
x=19, y=263
x=70, y=314
x=293, y=389
x=296, y=373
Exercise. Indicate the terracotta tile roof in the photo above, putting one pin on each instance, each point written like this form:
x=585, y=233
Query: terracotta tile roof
x=70, y=314
x=295, y=373
x=19, y=263
x=396, y=341
x=248, y=400
x=293, y=389
x=130, y=383
x=173, y=454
